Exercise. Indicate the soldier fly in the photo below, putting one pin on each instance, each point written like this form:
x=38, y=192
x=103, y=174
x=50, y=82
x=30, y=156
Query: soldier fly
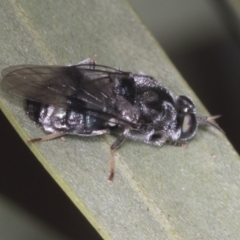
x=88, y=99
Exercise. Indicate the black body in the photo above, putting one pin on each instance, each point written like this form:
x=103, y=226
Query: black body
x=89, y=99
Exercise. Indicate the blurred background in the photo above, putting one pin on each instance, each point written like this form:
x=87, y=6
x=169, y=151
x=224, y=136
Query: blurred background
x=202, y=40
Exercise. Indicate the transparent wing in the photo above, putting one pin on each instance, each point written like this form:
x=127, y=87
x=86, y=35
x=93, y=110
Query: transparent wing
x=41, y=84
x=83, y=87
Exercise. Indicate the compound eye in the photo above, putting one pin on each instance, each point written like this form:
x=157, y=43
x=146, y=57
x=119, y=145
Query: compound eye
x=189, y=126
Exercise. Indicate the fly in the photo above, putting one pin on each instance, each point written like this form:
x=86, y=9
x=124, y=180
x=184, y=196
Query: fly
x=89, y=100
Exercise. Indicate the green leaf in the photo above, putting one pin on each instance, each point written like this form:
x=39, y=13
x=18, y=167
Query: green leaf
x=157, y=193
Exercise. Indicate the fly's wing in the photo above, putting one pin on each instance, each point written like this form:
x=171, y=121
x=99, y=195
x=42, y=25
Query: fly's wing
x=85, y=87
x=36, y=83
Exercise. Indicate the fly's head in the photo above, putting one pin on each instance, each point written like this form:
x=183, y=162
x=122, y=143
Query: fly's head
x=187, y=121
x=186, y=118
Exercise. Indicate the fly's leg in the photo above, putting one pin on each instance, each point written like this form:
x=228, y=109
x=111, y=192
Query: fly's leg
x=59, y=134
x=88, y=61
x=95, y=133
x=47, y=137
x=113, y=148
x=179, y=144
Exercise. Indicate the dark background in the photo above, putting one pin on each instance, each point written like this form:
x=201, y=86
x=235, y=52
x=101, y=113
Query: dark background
x=202, y=40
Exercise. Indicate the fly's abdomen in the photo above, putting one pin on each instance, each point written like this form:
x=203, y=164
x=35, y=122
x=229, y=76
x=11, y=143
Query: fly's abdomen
x=54, y=119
